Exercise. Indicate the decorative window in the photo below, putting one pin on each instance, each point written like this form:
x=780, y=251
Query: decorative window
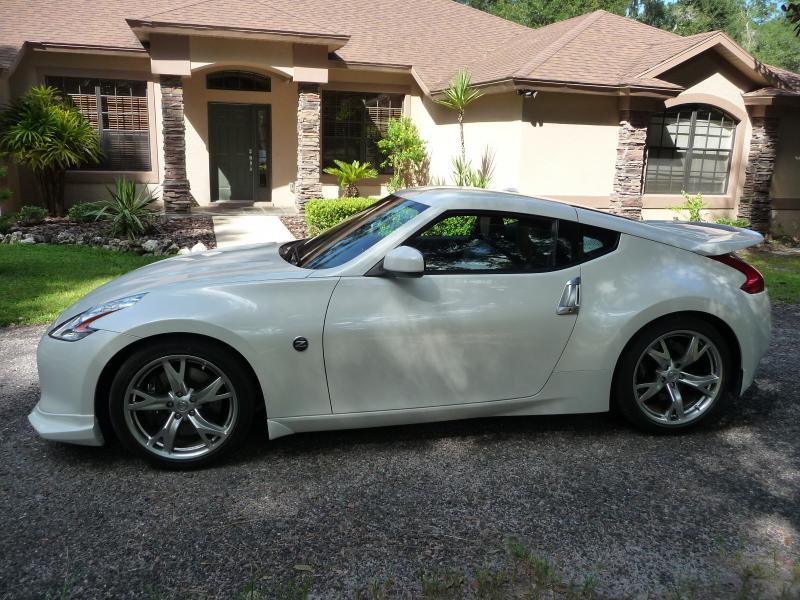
x=118, y=110
x=689, y=148
x=352, y=124
x=238, y=81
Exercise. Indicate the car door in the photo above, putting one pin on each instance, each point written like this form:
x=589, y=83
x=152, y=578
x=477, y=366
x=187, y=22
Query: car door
x=481, y=324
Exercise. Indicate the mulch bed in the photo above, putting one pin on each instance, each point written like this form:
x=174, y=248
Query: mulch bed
x=180, y=232
x=295, y=224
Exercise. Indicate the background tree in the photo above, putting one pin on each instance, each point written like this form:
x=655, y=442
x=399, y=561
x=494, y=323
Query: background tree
x=457, y=96
x=48, y=134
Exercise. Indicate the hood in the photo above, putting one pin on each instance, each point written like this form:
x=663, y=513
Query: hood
x=242, y=263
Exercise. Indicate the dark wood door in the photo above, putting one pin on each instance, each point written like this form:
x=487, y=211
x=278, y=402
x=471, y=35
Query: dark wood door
x=239, y=147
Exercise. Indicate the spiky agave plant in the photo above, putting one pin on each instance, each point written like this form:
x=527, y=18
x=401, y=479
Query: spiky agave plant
x=349, y=174
x=129, y=211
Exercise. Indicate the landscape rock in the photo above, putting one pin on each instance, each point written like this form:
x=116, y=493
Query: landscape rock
x=27, y=240
x=199, y=247
x=152, y=246
x=184, y=251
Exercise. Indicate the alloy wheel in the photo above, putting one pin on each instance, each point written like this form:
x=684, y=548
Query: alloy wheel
x=180, y=407
x=678, y=378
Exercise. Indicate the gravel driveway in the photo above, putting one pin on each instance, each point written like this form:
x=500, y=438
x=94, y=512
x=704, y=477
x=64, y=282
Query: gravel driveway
x=715, y=510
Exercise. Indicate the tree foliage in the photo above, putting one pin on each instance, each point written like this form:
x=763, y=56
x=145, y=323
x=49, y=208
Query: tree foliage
x=763, y=27
x=349, y=174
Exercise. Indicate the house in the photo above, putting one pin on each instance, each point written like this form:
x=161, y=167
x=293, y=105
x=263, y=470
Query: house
x=247, y=101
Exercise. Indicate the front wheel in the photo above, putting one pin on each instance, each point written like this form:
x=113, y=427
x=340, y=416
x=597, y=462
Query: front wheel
x=181, y=404
x=674, y=375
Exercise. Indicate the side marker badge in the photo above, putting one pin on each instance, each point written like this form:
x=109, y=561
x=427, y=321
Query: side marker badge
x=300, y=344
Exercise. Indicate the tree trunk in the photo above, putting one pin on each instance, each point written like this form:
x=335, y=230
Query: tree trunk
x=350, y=191
x=461, y=131
x=51, y=188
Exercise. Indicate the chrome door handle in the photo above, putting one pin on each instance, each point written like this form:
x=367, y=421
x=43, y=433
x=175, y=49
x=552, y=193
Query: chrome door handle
x=570, y=301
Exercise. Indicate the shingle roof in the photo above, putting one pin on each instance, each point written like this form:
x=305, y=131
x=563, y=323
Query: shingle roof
x=435, y=37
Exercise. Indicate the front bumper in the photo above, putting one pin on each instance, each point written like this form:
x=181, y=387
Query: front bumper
x=68, y=376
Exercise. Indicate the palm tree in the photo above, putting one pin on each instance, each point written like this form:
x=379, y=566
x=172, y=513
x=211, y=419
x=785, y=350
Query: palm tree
x=48, y=135
x=457, y=96
x=349, y=174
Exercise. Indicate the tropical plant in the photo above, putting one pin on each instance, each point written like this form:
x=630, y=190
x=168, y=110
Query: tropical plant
x=405, y=152
x=457, y=96
x=31, y=215
x=130, y=211
x=349, y=174
x=49, y=135
x=693, y=205
x=462, y=172
x=324, y=214
x=465, y=175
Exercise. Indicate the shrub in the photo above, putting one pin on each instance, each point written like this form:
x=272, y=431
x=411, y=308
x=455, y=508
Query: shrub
x=84, y=212
x=31, y=215
x=129, y=210
x=324, y=214
x=349, y=174
x=693, y=205
x=49, y=135
x=744, y=223
x=406, y=153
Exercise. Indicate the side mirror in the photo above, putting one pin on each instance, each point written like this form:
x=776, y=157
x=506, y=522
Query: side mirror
x=404, y=261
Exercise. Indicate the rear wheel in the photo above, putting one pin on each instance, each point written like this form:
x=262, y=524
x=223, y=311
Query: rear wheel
x=181, y=404
x=674, y=375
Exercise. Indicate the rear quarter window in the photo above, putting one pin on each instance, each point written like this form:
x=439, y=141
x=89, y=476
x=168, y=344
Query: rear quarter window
x=579, y=243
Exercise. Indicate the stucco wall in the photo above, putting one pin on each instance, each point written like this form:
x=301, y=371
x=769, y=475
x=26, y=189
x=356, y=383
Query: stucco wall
x=492, y=122
x=569, y=146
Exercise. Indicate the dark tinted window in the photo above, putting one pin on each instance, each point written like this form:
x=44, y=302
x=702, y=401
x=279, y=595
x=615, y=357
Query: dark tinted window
x=238, y=81
x=578, y=243
x=487, y=242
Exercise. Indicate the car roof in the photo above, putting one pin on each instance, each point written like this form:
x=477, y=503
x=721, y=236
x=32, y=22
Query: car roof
x=463, y=198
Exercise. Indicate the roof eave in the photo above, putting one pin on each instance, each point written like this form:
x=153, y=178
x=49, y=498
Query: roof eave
x=507, y=84
x=144, y=28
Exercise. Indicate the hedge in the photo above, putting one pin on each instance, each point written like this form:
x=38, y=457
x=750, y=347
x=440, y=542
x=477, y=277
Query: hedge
x=324, y=214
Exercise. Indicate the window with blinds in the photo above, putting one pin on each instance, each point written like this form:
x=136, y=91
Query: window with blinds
x=689, y=149
x=117, y=108
x=352, y=124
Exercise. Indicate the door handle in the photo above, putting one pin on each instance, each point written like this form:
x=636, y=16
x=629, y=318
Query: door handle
x=570, y=302
x=250, y=156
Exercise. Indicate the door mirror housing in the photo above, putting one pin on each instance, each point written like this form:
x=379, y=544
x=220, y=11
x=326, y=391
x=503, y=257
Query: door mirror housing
x=404, y=261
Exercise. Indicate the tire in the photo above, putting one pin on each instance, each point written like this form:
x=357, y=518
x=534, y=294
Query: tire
x=182, y=403
x=674, y=386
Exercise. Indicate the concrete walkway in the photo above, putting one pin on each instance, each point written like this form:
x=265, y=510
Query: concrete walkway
x=236, y=230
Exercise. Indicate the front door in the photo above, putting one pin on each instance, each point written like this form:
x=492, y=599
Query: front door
x=239, y=147
x=480, y=325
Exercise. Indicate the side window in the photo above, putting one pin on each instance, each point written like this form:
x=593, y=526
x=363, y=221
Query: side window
x=596, y=241
x=487, y=242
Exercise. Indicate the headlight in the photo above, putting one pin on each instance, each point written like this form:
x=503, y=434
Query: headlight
x=78, y=327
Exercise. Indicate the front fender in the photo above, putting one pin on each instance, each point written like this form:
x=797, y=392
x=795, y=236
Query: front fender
x=258, y=319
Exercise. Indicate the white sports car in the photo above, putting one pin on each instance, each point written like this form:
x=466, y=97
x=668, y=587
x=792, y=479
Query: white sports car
x=432, y=304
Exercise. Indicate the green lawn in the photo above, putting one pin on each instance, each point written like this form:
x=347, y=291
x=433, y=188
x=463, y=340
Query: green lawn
x=782, y=274
x=38, y=282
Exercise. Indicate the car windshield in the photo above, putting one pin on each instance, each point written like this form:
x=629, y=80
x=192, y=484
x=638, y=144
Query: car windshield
x=353, y=236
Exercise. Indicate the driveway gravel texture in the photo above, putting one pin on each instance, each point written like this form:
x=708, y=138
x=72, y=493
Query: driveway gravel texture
x=715, y=513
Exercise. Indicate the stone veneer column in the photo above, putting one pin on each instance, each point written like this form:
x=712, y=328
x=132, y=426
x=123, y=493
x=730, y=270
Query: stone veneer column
x=307, y=186
x=175, y=187
x=755, y=205
x=626, y=199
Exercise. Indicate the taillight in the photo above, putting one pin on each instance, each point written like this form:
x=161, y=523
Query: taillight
x=755, y=281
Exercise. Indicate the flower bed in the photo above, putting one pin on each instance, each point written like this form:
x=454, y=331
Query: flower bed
x=168, y=236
